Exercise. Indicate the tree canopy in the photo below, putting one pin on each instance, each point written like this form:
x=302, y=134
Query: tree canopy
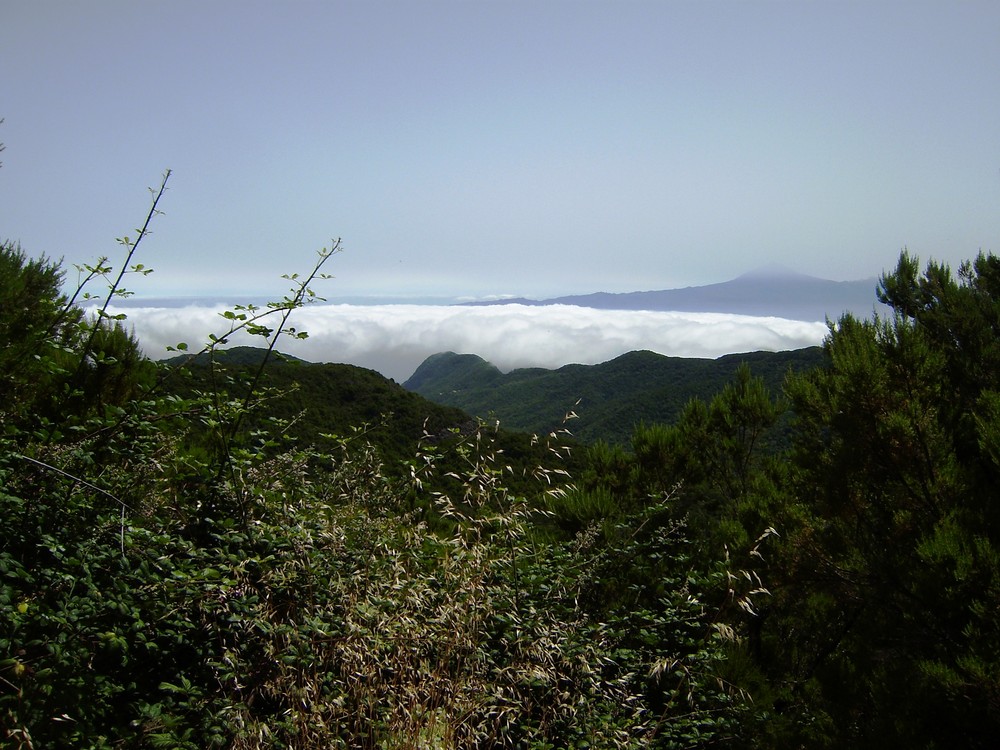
x=185, y=565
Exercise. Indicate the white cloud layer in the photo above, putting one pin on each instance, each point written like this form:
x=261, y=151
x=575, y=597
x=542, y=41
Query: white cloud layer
x=395, y=339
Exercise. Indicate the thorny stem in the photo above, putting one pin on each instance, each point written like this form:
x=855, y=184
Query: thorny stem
x=285, y=308
x=132, y=247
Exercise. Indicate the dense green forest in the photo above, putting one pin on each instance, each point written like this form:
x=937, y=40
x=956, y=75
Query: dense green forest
x=610, y=399
x=312, y=400
x=327, y=403
x=185, y=565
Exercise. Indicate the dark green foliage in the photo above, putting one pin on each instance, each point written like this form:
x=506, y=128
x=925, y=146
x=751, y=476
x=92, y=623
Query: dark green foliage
x=880, y=628
x=317, y=399
x=35, y=324
x=613, y=398
x=720, y=452
x=204, y=554
x=250, y=356
x=319, y=404
x=177, y=570
x=886, y=624
x=449, y=372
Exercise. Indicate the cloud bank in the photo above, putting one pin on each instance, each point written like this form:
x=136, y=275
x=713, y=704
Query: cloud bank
x=395, y=339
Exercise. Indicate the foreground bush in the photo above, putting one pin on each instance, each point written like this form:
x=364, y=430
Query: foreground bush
x=171, y=578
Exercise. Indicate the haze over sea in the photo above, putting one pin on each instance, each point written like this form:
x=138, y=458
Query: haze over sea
x=395, y=338
x=523, y=149
x=504, y=149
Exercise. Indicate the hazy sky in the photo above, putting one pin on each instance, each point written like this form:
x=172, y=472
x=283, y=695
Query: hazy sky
x=492, y=148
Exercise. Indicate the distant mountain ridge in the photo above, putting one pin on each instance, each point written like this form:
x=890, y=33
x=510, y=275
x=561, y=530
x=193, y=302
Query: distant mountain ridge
x=613, y=396
x=770, y=291
x=326, y=398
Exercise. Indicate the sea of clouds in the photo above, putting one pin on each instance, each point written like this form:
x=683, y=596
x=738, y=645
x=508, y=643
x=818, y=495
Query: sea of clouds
x=395, y=339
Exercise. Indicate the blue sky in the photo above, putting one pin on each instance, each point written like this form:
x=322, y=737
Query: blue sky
x=500, y=148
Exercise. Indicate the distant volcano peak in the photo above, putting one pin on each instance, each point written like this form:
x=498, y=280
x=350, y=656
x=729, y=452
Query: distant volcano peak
x=774, y=271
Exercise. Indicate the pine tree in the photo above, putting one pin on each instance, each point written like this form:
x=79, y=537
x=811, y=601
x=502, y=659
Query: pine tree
x=888, y=626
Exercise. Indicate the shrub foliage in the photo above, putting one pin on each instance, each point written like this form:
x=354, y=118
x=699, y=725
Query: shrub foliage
x=178, y=571
x=185, y=565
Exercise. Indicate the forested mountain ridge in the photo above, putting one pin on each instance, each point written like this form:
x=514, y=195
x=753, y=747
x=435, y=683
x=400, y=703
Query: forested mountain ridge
x=236, y=355
x=320, y=403
x=613, y=396
x=175, y=572
x=329, y=398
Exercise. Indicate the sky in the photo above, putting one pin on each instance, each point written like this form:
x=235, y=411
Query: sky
x=477, y=149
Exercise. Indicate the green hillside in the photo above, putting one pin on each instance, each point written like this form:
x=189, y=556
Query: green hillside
x=336, y=399
x=613, y=396
x=236, y=355
x=175, y=573
x=319, y=405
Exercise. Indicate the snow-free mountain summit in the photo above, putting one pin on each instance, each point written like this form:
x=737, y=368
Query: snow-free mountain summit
x=770, y=291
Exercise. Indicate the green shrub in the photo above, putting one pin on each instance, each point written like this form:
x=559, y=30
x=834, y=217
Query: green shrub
x=175, y=572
